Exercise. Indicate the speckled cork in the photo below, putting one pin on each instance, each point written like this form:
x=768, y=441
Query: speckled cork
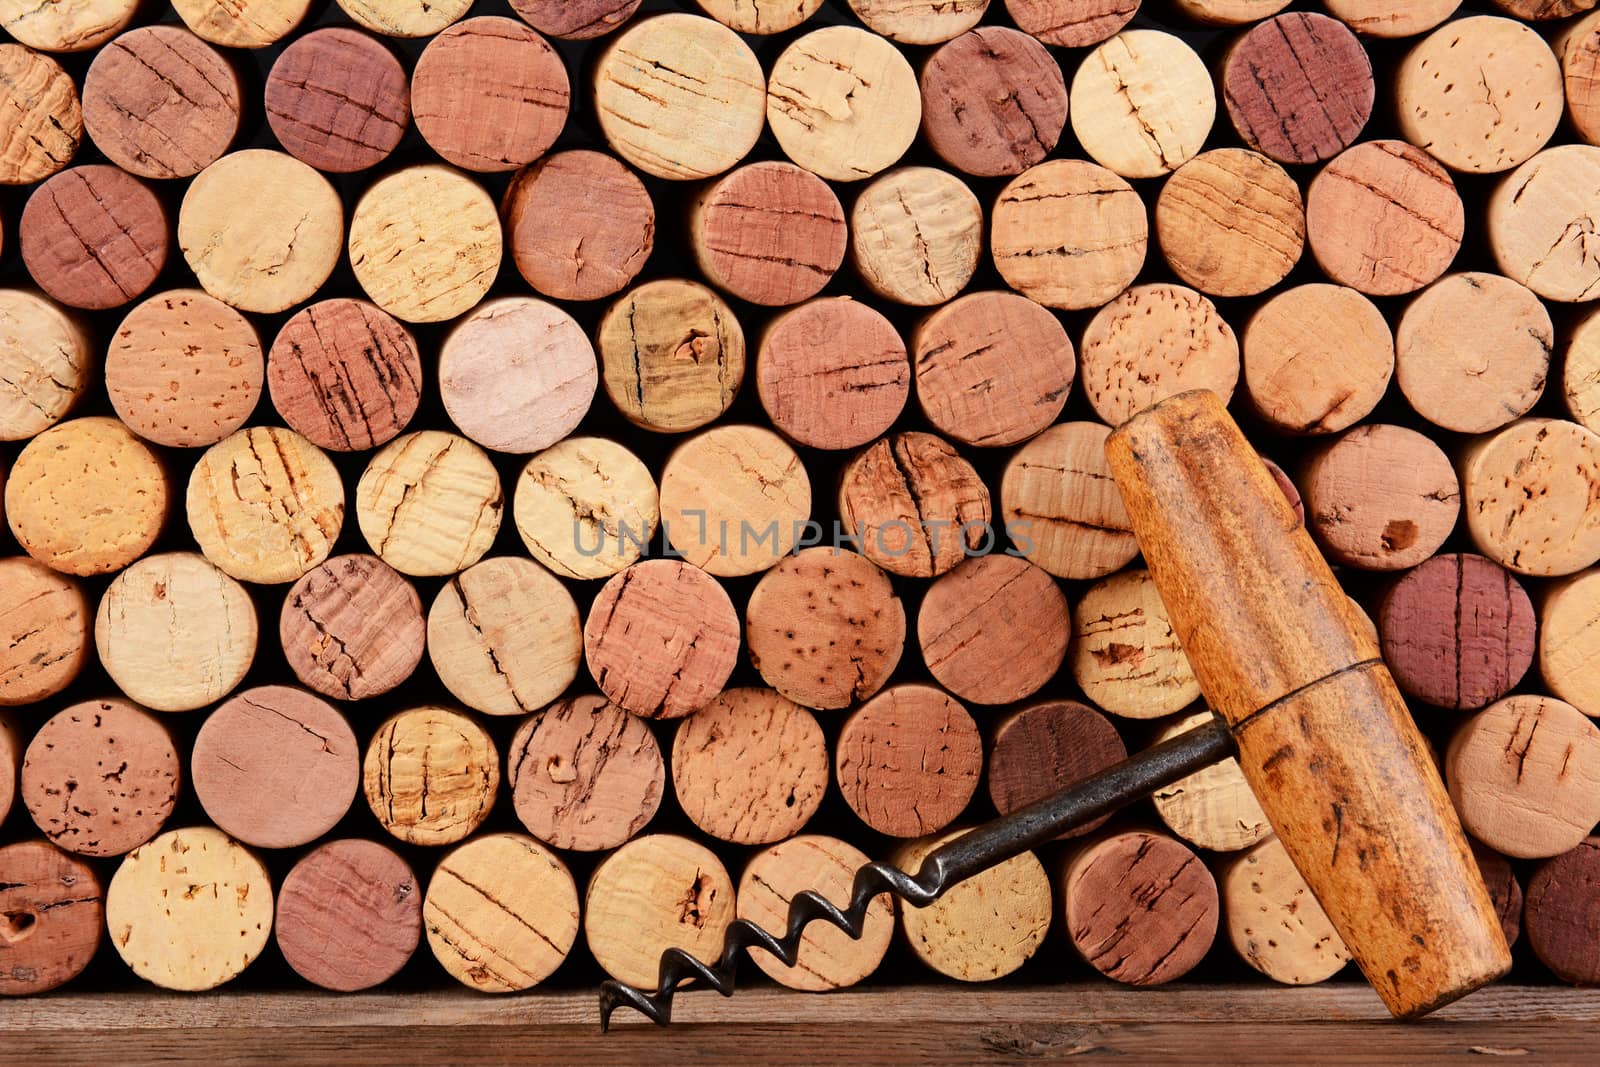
x=672, y=355
x=734, y=500
x=1298, y=87
x=1142, y=104
x=352, y=628
x=771, y=233
x=46, y=356
x=576, y=20
x=1530, y=498
x=405, y=18
x=1539, y=223
x=1274, y=922
x=430, y=775
x=586, y=507
x=908, y=760
x=916, y=235
x=94, y=237
x=1153, y=342
x=993, y=102
x=1048, y=747
x=430, y=503
x=44, y=632
x=1213, y=808
x=652, y=894
x=40, y=115
x=994, y=630
x=579, y=225
x=913, y=505
x=1231, y=222
x=349, y=915
x=832, y=373
x=1317, y=358
x=54, y=913
x=1125, y=655
x=338, y=99
x=1061, y=508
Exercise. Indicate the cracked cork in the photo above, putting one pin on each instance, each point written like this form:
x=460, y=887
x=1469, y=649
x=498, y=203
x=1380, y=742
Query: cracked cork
x=1125, y=655
x=349, y=915
x=1580, y=377
x=242, y=23
x=1569, y=646
x=734, y=500
x=52, y=915
x=994, y=630
x=338, y=100
x=652, y=894
x=352, y=628
x=915, y=505
x=919, y=21
x=67, y=25
x=1274, y=921
x=44, y=632
x=1213, y=808
x=94, y=237
x=770, y=233
x=581, y=20
x=1047, y=747
x=908, y=760
x=1154, y=342
x=1072, y=23
x=431, y=775
x=430, y=503
x=1142, y=104
x=1059, y=499
x=1391, y=18
x=1561, y=913
x=1317, y=359
x=586, y=507
x=405, y=18
x=1380, y=497
x=1299, y=87
x=672, y=355
x=1069, y=234
x=579, y=225
x=1578, y=45
x=832, y=373
x=756, y=16
x=41, y=120
x=1231, y=223
x=46, y=355
x=1543, y=224
x=916, y=235
x=1229, y=12
x=1532, y=494
x=994, y=102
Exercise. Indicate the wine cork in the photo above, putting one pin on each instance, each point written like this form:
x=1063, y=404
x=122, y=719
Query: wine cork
x=1274, y=921
x=1562, y=911
x=913, y=505
x=74, y=26
x=1291, y=493
x=1298, y=87
x=265, y=505
x=679, y=96
x=1380, y=497
x=844, y=103
x=1229, y=12
x=671, y=355
x=770, y=233
x=983, y=928
x=405, y=18
x=44, y=634
x=1384, y=218
x=1504, y=892
x=429, y=503
x=832, y=373
x=430, y=775
x=1525, y=509
x=1578, y=46
x=1069, y=234
x=1481, y=95
x=994, y=629
x=52, y=912
x=40, y=113
x=586, y=507
x=94, y=237
x=175, y=633
x=1391, y=18
x=345, y=375
x=45, y=359
x=352, y=628
x=338, y=100
x=275, y=767
x=579, y=225
x=1043, y=749
x=661, y=639
x=1062, y=510
x=577, y=20
x=734, y=500
x=1569, y=642
x=101, y=777
x=1125, y=655
x=501, y=913
x=86, y=497
x=908, y=761
x=585, y=775
x=505, y=636
x=992, y=368
x=1533, y=10
x=349, y=915
x=1212, y=808
x=242, y=23
x=261, y=230
x=759, y=16
x=825, y=628
x=652, y=894
x=1317, y=359
x=1231, y=222
x=10, y=763
x=919, y=21
x=1072, y=23
x=828, y=957
x=1142, y=104
x=1153, y=342
x=751, y=767
x=1580, y=371
x=993, y=102
x=916, y=235
x=1540, y=220
x=190, y=910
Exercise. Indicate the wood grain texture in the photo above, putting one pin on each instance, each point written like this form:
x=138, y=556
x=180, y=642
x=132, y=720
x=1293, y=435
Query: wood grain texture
x=405, y=18
x=1561, y=912
x=73, y=26
x=771, y=233
x=431, y=775
x=586, y=507
x=652, y=894
x=349, y=915
x=1391, y=18
x=760, y=16
x=1072, y=23
x=993, y=102
x=1062, y=510
x=734, y=499
x=242, y=23
x=672, y=355
x=1525, y=509
x=984, y=928
x=1274, y=921
x=994, y=630
x=576, y=20
x=352, y=628
x=53, y=909
x=338, y=99
x=914, y=506
x=1298, y=87
x=44, y=633
x=430, y=503
x=1142, y=104
x=908, y=760
x=1569, y=641
x=1537, y=227
x=46, y=356
x=40, y=114
x=94, y=237
x=1231, y=222
x=1125, y=654
x=579, y=225
x=919, y=21
x=1212, y=808
x=832, y=373
x=1047, y=747
x=1317, y=358
x=1153, y=342
x=916, y=235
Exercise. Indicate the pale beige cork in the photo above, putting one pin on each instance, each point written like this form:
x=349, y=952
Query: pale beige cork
x=1578, y=45
x=1541, y=224
x=265, y=505
x=586, y=508
x=994, y=630
x=1317, y=359
x=1580, y=375
x=913, y=505
x=44, y=632
x=430, y=503
x=734, y=500
x=405, y=18
x=1569, y=641
x=41, y=119
x=1069, y=234
x=652, y=894
x=431, y=775
x=1229, y=12
x=87, y=497
x=916, y=235
x=1274, y=921
x=501, y=913
x=919, y=21
x=760, y=16
x=46, y=359
x=10, y=760
x=505, y=636
x=242, y=23
x=66, y=25
x=908, y=760
x=1380, y=497
x=672, y=355
x=1532, y=494
x=425, y=243
x=1062, y=509
x=1212, y=808
x=190, y=910
x=1142, y=104
x=1153, y=342
x=1125, y=655
x=844, y=103
x=1231, y=222
x=1391, y=18
x=680, y=96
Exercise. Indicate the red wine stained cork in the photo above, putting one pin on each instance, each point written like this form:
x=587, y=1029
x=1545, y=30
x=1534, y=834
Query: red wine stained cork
x=680, y=96
x=1069, y=234
x=44, y=633
x=175, y=633
x=67, y=27
x=87, y=497
x=844, y=103
x=10, y=763
x=1274, y=921
x=734, y=500
x=1317, y=359
x=1072, y=23
x=1298, y=87
x=1504, y=891
x=349, y=915
x=46, y=356
x=1125, y=655
x=1481, y=95
x=505, y=636
x=913, y=505
x=993, y=102
x=1541, y=223
x=1142, y=104
x=994, y=630
x=517, y=374
x=661, y=639
x=242, y=23
x=1580, y=371
x=751, y=767
x=94, y=237
x=1569, y=641
x=770, y=233
x=1391, y=18
x=352, y=628
x=579, y=225
x=919, y=21
x=1213, y=808
x=829, y=958
x=1531, y=499
x=39, y=114
x=585, y=775
x=430, y=775
x=586, y=507
x=758, y=16
x=275, y=767
x=52, y=916
x=405, y=18
x=916, y=235
x=345, y=375
x=1229, y=12
x=1524, y=774
x=1380, y=497
x=1384, y=218
x=825, y=628
x=672, y=355
x=1062, y=510
x=430, y=504
x=1578, y=46
x=1153, y=342
x=1231, y=222
x=992, y=368
x=101, y=777
x=1563, y=908
x=908, y=761
x=1045, y=748
x=577, y=20
x=652, y=894
x=338, y=99
x=832, y=373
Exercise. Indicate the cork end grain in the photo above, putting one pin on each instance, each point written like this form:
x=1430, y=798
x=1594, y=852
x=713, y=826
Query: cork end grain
x=1231, y=222
x=44, y=633
x=1569, y=642
x=1580, y=379
x=1061, y=506
x=338, y=100
x=652, y=894
x=1274, y=920
x=1541, y=223
x=431, y=775
x=46, y=356
x=70, y=26
x=405, y=18
x=914, y=505
x=352, y=628
x=1125, y=654
x=672, y=355
x=1299, y=87
x=576, y=20
x=1389, y=19
x=756, y=16
x=770, y=233
x=242, y=23
x=1046, y=748
x=994, y=102
x=1578, y=47
x=833, y=373
x=40, y=116
x=734, y=500
x=1154, y=342
x=586, y=507
x=1212, y=808
x=52, y=915
x=1142, y=104
x=94, y=237
x=908, y=761
x=1229, y=12
x=916, y=235
x=1561, y=912
x=994, y=630
x=580, y=225
x=1525, y=508
x=919, y=21
x=430, y=503
x=1072, y=23
x=1317, y=359
x=349, y=915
